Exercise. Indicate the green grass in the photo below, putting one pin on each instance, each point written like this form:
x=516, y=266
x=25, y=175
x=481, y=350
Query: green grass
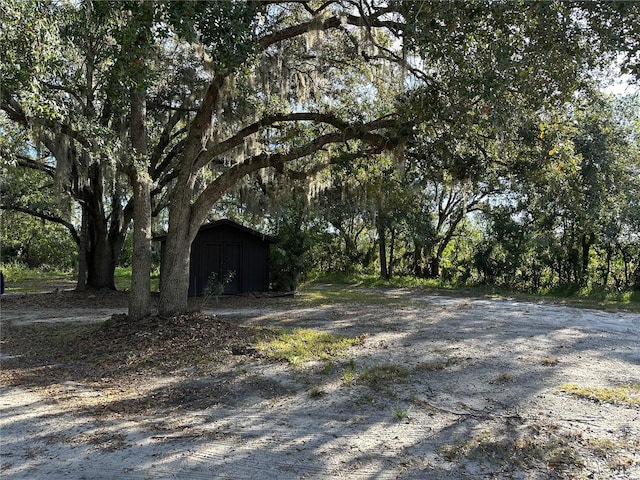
x=325, y=288
x=19, y=278
x=302, y=345
x=123, y=279
x=628, y=394
x=362, y=280
x=341, y=288
x=380, y=375
x=340, y=294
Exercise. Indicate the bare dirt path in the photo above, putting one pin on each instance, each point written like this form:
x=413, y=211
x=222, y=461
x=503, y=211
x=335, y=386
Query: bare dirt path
x=443, y=388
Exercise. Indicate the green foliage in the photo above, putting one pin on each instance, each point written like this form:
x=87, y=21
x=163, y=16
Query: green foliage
x=36, y=243
x=571, y=222
x=290, y=257
x=215, y=286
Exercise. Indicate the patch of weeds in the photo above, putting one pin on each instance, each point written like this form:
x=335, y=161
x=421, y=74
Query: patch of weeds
x=349, y=376
x=603, y=447
x=378, y=376
x=303, y=345
x=504, y=378
x=316, y=391
x=550, y=361
x=559, y=455
x=627, y=394
x=459, y=450
x=431, y=366
x=611, y=450
x=522, y=452
x=401, y=413
x=339, y=295
x=328, y=368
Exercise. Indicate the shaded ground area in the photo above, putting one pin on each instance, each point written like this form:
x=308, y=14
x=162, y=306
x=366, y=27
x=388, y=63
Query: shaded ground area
x=440, y=388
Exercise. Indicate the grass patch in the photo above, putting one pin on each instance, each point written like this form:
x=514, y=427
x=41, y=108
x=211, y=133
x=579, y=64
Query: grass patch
x=431, y=366
x=339, y=294
x=19, y=278
x=628, y=394
x=122, y=279
x=334, y=289
x=349, y=375
x=401, y=413
x=362, y=280
x=303, y=345
x=379, y=376
x=524, y=452
x=617, y=452
x=316, y=392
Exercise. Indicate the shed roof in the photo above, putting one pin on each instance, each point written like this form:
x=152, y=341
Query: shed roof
x=218, y=223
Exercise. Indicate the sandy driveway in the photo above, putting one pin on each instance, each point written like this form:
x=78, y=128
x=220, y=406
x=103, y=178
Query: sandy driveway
x=466, y=388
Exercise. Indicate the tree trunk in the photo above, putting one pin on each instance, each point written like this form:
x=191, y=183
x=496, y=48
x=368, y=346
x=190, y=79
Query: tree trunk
x=392, y=248
x=101, y=264
x=140, y=296
x=174, y=276
x=434, y=266
x=586, y=241
x=607, y=267
x=382, y=243
x=418, y=271
x=81, y=284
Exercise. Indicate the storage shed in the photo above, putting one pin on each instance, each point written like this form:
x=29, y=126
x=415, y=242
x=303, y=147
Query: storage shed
x=233, y=252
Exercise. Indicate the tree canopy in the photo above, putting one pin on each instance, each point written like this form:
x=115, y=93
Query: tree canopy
x=143, y=109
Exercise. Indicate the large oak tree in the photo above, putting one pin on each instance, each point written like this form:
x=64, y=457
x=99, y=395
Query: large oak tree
x=191, y=97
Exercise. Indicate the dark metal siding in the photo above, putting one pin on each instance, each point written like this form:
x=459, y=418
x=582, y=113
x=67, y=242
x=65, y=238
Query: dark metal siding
x=224, y=248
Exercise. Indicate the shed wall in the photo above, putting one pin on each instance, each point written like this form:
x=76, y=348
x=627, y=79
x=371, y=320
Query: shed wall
x=226, y=249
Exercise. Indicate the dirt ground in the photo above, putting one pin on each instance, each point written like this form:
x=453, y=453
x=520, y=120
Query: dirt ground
x=440, y=388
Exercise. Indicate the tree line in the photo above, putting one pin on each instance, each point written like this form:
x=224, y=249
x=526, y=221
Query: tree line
x=434, y=139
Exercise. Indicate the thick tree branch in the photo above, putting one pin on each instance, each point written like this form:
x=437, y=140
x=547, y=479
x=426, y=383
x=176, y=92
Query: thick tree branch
x=214, y=149
x=27, y=162
x=14, y=111
x=330, y=23
x=228, y=178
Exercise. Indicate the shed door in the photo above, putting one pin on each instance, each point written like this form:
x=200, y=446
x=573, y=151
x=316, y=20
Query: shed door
x=210, y=264
x=232, y=268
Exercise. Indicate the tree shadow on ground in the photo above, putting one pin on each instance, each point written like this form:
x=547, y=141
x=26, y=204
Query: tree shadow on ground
x=479, y=401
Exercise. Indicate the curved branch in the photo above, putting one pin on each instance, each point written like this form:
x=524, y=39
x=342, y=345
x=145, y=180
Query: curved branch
x=214, y=149
x=228, y=178
x=330, y=23
x=27, y=162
